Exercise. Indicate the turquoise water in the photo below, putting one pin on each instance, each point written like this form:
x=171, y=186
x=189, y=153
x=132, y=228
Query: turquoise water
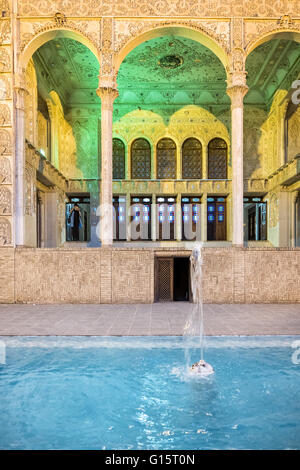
x=134, y=393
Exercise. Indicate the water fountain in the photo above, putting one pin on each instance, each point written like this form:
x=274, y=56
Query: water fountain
x=194, y=326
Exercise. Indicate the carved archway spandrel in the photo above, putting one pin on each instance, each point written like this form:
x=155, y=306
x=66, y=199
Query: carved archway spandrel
x=256, y=31
x=126, y=31
x=88, y=29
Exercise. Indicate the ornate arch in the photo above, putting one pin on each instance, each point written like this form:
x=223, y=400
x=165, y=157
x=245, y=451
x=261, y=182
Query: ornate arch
x=142, y=31
x=271, y=31
x=30, y=42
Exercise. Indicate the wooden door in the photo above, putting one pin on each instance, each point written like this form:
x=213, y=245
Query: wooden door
x=164, y=273
x=216, y=221
x=220, y=221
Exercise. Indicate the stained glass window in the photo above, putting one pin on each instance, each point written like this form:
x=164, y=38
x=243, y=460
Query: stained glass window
x=192, y=159
x=140, y=159
x=118, y=159
x=217, y=159
x=166, y=159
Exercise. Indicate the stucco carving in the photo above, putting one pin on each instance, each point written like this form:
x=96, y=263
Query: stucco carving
x=87, y=29
x=5, y=232
x=5, y=32
x=5, y=201
x=181, y=8
x=31, y=103
x=5, y=119
x=190, y=121
x=273, y=210
x=294, y=135
x=5, y=142
x=255, y=30
x=107, y=47
x=5, y=8
x=5, y=88
x=127, y=30
x=5, y=61
x=5, y=171
x=30, y=200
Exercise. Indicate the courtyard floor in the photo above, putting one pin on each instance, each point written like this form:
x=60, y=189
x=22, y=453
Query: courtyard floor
x=147, y=319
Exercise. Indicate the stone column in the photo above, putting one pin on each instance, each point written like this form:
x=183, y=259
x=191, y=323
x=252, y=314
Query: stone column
x=128, y=216
x=203, y=216
x=178, y=219
x=205, y=161
x=178, y=163
x=20, y=93
x=237, y=91
x=293, y=214
x=107, y=95
x=153, y=218
x=94, y=190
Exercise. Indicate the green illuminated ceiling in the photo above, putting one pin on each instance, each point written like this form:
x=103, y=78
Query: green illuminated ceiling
x=148, y=67
x=70, y=68
x=273, y=65
x=164, y=74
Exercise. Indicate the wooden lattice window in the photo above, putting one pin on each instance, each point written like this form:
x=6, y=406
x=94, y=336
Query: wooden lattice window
x=118, y=159
x=217, y=159
x=140, y=159
x=192, y=159
x=166, y=159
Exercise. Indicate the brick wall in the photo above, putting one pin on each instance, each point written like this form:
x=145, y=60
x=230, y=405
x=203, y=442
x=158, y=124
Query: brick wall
x=252, y=275
x=7, y=269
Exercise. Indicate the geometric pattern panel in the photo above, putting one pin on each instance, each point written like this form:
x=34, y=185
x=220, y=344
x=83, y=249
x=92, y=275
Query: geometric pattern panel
x=140, y=159
x=192, y=159
x=164, y=279
x=132, y=276
x=166, y=159
x=217, y=159
x=118, y=159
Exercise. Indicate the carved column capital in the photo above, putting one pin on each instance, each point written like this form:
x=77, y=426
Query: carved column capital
x=237, y=93
x=107, y=96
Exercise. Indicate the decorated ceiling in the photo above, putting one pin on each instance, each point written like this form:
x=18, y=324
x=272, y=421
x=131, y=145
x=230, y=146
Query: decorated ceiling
x=70, y=68
x=175, y=63
x=273, y=65
x=164, y=74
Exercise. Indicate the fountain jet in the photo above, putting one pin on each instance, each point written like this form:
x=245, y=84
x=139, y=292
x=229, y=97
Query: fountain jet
x=194, y=326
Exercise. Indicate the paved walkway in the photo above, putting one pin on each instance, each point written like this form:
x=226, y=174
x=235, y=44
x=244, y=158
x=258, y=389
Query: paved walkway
x=154, y=319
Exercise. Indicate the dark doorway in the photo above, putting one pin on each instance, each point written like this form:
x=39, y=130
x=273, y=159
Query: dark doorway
x=172, y=279
x=83, y=202
x=181, y=279
x=119, y=217
x=255, y=218
x=252, y=224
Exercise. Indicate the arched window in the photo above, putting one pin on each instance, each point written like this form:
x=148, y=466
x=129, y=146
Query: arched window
x=192, y=159
x=217, y=159
x=166, y=159
x=140, y=159
x=118, y=159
